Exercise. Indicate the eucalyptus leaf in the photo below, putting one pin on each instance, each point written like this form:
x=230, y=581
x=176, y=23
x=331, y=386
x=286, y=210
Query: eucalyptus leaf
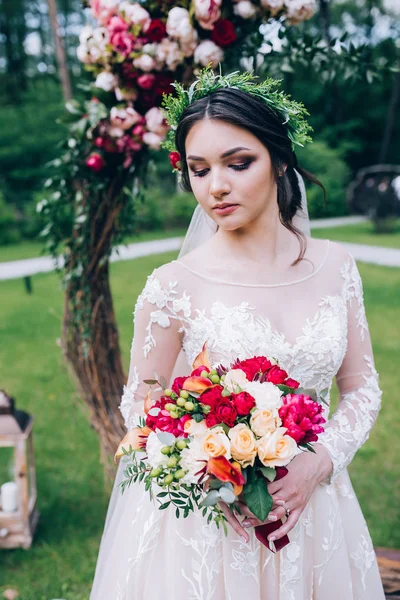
x=211, y=499
x=166, y=438
x=268, y=472
x=227, y=495
x=154, y=411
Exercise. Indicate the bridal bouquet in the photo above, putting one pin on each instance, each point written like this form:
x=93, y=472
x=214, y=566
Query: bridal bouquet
x=221, y=433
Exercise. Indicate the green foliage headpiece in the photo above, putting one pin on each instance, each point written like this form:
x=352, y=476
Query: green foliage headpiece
x=292, y=114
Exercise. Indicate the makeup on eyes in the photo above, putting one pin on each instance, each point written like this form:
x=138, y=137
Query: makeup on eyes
x=242, y=166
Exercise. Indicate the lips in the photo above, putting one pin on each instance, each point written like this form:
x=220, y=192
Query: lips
x=223, y=205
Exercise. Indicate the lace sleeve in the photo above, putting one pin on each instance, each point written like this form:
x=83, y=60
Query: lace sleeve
x=357, y=380
x=157, y=340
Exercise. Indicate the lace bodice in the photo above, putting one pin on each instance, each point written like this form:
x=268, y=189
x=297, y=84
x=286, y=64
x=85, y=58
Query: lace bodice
x=315, y=326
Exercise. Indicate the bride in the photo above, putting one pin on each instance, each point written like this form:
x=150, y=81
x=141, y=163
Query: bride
x=250, y=282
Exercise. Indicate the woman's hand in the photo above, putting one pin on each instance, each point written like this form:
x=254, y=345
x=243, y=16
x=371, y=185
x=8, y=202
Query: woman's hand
x=293, y=491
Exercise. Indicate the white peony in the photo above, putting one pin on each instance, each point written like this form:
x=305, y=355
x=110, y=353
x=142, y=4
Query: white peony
x=193, y=459
x=155, y=121
x=266, y=395
x=233, y=378
x=136, y=14
x=153, y=449
x=125, y=118
x=207, y=12
x=208, y=52
x=153, y=141
x=178, y=24
x=168, y=54
x=106, y=81
x=274, y=6
x=145, y=62
x=189, y=44
x=299, y=10
x=245, y=9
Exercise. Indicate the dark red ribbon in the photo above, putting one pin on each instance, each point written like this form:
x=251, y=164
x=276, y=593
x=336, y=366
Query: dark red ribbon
x=263, y=531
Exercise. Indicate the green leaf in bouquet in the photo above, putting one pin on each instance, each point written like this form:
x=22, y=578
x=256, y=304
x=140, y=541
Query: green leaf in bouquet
x=216, y=484
x=150, y=381
x=309, y=447
x=268, y=472
x=211, y=499
x=323, y=396
x=163, y=382
x=165, y=505
x=285, y=388
x=258, y=498
x=198, y=417
x=308, y=392
x=227, y=495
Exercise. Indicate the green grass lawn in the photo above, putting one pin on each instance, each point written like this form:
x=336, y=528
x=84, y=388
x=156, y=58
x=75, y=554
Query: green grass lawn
x=362, y=233
x=71, y=495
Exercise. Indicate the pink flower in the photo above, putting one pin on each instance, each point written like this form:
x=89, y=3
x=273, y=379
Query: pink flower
x=124, y=118
x=95, y=162
x=146, y=81
x=103, y=10
x=116, y=24
x=152, y=140
x=207, y=12
x=208, y=52
x=155, y=121
x=123, y=42
x=302, y=417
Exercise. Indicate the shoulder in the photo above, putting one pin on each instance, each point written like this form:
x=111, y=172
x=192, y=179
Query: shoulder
x=163, y=289
x=338, y=255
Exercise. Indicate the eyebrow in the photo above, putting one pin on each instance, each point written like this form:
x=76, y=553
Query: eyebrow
x=223, y=155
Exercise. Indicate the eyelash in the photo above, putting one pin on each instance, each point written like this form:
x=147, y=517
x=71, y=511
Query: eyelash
x=241, y=167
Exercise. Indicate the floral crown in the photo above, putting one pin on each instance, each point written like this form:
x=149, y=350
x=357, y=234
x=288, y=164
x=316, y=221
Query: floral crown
x=290, y=112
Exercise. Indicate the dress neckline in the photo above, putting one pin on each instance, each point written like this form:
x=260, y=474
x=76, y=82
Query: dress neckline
x=258, y=285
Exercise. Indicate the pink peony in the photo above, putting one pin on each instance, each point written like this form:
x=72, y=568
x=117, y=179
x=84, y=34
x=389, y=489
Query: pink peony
x=123, y=42
x=302, y=417
x=145, y=62
x=156, y=122
x=146, y=81
x=124, y=118
x=116, y=24
x=103, y=10
x=207, y=12
x=152, y=140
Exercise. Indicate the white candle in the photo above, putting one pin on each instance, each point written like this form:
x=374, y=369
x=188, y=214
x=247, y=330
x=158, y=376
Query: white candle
x=9, y=496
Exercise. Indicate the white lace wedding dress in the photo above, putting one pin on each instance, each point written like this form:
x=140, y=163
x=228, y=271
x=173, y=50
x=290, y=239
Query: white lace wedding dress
x=315, y=325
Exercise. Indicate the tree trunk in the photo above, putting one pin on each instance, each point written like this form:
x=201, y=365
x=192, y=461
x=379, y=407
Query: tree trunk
x=95, y=362
x=391, y=119
x=60, y=52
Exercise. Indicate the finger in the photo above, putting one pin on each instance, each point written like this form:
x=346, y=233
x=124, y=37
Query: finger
x=285, y=528
x=251, y=522
x=244, y=510
x=236, y=526
x=278, y=512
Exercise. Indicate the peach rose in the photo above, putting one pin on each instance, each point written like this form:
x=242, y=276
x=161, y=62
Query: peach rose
x=216, y=443
x=264, y=421
x=243, y=445
x=276, y=449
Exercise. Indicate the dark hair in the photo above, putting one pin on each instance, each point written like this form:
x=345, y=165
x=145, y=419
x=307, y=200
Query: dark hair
x=253, y=114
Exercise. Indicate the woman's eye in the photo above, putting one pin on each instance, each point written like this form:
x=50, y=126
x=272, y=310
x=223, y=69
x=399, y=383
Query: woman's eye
x=240, y=167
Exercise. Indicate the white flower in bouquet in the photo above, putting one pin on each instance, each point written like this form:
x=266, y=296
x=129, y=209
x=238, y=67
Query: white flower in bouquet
x=103, y=10
x=153, y=141
x=243, y=445
x=125, y=118
x=215, y=443
x=155, y=121
x=189, y=44
x=207, y=12
x=245, y=9
x=299, y=10
x=274, y=6
x=145, y=62
x=106, y=81
x=276, y=449
x=234, y=378
x=193, y=459
x=169, y=54
x=267, y=395
x=193, y=428
x=178, y=24
x=92, y=44
x=208, y=52
x=153, y=450
x=136, y=14
x=265, y=421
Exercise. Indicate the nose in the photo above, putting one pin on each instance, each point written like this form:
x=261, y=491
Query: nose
x=219, y=186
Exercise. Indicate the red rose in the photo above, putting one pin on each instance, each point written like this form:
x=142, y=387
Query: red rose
x=175, y=160
x=243, y=402
x=276, y=375
x=292, y=383
x=301, y=415
x=178, y=384
x=197, y=372
x=211, y=396
x=251, y=366
x=212, y=419
x=95, y=162
x=224, y=32
x=226, y=412
x=156, y=31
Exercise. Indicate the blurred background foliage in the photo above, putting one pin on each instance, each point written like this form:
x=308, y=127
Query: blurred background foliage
x=351, y=117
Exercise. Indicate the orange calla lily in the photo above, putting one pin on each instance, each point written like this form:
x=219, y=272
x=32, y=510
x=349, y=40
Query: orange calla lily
x=202, y=359
x=237, y=489
x=147, y=402
x=223, y=470
x=197, y=384
x=136, y=438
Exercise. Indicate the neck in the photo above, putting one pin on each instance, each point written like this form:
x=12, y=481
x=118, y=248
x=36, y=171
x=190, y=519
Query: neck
x=264, y=240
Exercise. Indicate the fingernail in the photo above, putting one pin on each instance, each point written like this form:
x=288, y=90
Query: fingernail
x=272, y=539
x=272, y=518
x=246, y=524
x=244, y=539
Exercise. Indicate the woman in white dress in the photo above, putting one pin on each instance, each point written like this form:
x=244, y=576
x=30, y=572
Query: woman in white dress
x=255, y=285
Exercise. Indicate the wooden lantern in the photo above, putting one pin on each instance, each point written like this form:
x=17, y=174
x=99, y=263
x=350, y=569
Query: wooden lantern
x=17, y=524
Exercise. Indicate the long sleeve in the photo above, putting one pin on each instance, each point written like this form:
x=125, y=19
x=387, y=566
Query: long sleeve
x=157, y=340
x=357, y=381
